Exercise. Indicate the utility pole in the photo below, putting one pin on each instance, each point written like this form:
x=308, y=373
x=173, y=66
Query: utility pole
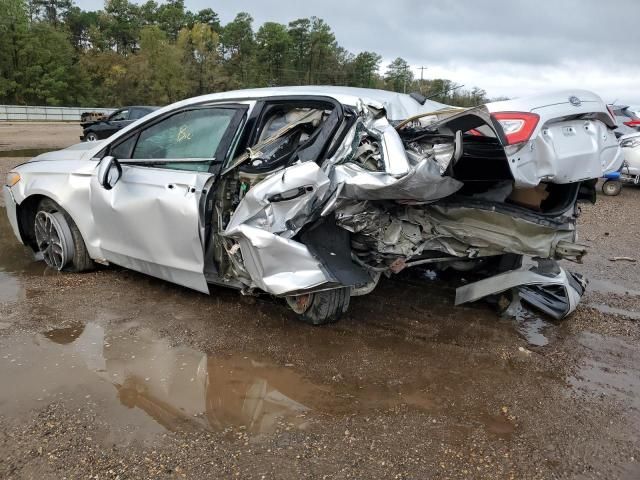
x=422, y=69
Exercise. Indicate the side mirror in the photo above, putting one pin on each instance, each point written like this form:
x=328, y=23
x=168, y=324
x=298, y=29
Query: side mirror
x=109, y=172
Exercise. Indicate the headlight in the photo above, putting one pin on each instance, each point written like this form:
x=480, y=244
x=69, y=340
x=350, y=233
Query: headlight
x=12, y=178
x=630, y=143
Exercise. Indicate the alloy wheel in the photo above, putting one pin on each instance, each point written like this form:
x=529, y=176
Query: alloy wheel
x=54, y=239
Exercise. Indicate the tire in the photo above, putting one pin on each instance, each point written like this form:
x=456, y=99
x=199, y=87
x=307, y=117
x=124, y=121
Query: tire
x=91, y=137
x=321, y=308
x=73, y=256
x=612, y=187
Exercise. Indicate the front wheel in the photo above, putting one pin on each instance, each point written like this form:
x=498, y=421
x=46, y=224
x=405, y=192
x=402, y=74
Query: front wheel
x=58, y=239
x=91, y=137
x=320, y=308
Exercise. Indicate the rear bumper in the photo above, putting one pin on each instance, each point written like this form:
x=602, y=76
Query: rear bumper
x=12, y=211
x=548, y=288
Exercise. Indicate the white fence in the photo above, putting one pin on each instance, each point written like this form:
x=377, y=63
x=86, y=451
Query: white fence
x=51, y=114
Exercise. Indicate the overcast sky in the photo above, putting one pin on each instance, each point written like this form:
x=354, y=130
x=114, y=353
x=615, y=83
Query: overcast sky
x=510, y=48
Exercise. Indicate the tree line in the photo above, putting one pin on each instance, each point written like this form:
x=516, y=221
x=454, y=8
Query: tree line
x=54, y=53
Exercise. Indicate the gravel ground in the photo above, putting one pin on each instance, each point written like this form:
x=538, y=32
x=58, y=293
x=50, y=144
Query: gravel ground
x=113, y=374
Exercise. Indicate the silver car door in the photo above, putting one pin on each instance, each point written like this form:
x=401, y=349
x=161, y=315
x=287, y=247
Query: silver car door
x=150, y=221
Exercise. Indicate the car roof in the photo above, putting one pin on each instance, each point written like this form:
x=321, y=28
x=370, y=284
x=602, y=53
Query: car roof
x=398, y=106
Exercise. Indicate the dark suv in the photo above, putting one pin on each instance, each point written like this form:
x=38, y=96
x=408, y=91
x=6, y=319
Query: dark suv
x=93, y=131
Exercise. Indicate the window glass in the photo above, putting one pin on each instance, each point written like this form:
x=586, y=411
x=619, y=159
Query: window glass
x=137, y=113
x=189, y=134
x=123, y=150
x=121, y=115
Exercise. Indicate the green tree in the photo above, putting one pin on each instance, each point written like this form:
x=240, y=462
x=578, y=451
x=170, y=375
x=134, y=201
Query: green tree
x=364, y=69
x=13, y=29
x=79, y=24
x=157, y=71
x=238, y=46
x=199, y=45
x=122, y=24
x=173, y=17
x=45, y=72
x=300, y=33
x=322, y=50
x=210, y=18
x=56, y=53
x=51, y=11
x=148, y=12
x=398, y=75
x=272, y=53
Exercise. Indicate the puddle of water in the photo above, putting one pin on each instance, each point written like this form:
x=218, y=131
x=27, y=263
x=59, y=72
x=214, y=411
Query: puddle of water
x=499, y=425
x=24, y=152
x=142, y=376
x=532, y=330
x=10, y=288
x=529, y=325
x=611, y=369
x=15, y=260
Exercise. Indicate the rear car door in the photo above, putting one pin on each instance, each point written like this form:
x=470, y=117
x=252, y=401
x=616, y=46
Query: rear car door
x=152, y=219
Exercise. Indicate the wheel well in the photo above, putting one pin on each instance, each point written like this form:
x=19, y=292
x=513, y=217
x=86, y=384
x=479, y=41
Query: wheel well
x=26, y=213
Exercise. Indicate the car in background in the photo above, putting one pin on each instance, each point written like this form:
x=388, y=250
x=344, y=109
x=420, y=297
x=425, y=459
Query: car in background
x=102, y=129
x=631, y=150
x=629, y=173
x=313, y=194
x=627, y=118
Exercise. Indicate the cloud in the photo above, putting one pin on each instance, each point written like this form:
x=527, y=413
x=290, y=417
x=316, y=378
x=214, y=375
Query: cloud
x=506, y=47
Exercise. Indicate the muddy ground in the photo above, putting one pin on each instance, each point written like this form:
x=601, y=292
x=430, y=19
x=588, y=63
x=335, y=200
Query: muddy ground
x=113, y=374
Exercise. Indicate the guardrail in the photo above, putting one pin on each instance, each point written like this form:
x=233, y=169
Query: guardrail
x=49, y=114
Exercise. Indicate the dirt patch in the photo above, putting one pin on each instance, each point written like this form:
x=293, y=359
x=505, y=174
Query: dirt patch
x=38, y=135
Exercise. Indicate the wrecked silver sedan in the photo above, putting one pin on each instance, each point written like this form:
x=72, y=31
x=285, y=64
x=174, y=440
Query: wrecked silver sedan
x=314, y=193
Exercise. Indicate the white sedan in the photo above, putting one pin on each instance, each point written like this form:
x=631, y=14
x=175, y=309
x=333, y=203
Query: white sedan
x=313, y=193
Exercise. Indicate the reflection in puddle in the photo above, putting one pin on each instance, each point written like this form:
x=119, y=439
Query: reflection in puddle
x=179, y=387
x=10, y=289
x=532, y=328
x=14, y=259
x=529, y=325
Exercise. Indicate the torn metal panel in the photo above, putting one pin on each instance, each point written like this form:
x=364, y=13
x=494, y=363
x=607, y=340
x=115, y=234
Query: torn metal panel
x=457, y=231
x=283, y=202
x=492, y=232
x=397, y=174
x=278, y=265
x=549, y=288
x=422, y=183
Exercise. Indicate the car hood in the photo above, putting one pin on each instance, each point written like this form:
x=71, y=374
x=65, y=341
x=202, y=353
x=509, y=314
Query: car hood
x=74, y=152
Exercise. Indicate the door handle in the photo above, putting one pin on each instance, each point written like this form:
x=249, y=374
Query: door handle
x=290, y=194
